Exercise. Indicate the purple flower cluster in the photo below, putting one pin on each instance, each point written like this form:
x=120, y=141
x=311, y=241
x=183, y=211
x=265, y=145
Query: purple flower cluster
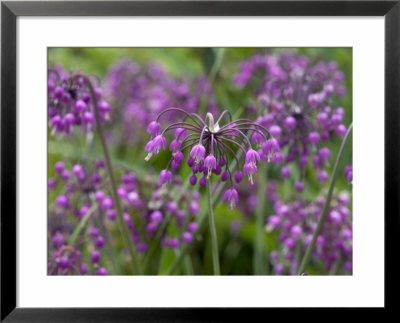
x=295, y=224
x=70, y=103
x=79, y=195
x=155, y=215
x=296, y=101
x=212, y=147
x=81, y=192
x=141, y=92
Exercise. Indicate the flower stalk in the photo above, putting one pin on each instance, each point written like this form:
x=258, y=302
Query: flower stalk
x=213, y=231
x=122, y=226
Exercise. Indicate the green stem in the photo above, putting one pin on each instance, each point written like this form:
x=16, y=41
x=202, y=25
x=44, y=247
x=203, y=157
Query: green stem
x=213, y=231
x=122, y=226
x=259, y=263
x=321, y=220
x=80, y=226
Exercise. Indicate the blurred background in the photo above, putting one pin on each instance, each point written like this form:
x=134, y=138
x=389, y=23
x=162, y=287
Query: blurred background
x=208, y=75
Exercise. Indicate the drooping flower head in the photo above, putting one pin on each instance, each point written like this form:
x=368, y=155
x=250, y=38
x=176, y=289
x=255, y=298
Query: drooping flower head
x=70, y=104
x=231, y=196
x=297, y=104
x=213, y=146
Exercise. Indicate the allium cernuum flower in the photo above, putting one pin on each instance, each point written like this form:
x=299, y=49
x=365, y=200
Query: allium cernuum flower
x=155, y=145
x=231, y=196
x=297, y=103
x=70, y=104
x=212, y=146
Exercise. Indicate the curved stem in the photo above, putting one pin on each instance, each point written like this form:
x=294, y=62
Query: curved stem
x=213, y=231
x=223, y=113
x=123, y=228
x=321, y=220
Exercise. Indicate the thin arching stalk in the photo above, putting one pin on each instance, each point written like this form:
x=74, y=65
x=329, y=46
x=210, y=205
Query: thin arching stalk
x=124, y=230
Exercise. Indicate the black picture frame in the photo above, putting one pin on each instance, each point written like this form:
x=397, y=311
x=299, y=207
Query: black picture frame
x=11, y=10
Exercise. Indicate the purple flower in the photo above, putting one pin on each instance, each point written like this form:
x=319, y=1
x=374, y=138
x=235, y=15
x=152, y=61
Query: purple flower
x=194, y=208
x=290, y=123
x=314, y=137
x=156, y=217
x=181, y=133
x=58, y=240
x=275, y=131
x=93, y=232
x=154, y=146
x=257, y=138
x=231, y=196
x=62, y=202
x=187, y=237
x=202, y=182
x=154, y=129
x=63, y=263
x=299, y=186
x=84, y=269
x=101, y=272
x=99, y=196
x=51, y=184
x=238, y=177
x=95, y=257
x=252, y=157
x=99, y=243
x=193, y=180
x=285, y=172
x=197, y=153
x=270, y=148
x=175, y=145
x=273, y=222
x=322, y=176
x=107, y=204
x=210, y=163
x=111, y=215
x=324, y=154
x=249, y=170
x=165, y=177
x=178, y=157
x=192, y=227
